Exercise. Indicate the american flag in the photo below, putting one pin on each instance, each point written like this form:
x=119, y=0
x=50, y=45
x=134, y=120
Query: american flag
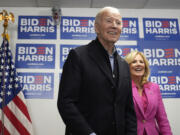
x=14, y=115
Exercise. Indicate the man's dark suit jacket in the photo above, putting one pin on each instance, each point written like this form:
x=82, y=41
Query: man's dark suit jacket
x=89, y=100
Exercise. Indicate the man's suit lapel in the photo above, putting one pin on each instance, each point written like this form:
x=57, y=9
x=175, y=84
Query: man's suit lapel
x=120, y=70
x=97, y=57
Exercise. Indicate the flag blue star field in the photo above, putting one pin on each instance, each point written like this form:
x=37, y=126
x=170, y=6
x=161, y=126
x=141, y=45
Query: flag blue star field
x=14, y=115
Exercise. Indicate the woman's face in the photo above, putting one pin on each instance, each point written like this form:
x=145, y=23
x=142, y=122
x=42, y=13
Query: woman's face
x=137, y=67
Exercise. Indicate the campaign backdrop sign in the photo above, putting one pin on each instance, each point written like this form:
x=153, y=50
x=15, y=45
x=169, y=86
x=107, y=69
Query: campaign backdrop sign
x=37, y=85
x=64, y=51
x=164, y=55
x=169, y=84
x=124, y=50
x=36, y=27
x=161, y=29
x=130, y=29
x=35, y=56
x=83, y=28
x=77, y=28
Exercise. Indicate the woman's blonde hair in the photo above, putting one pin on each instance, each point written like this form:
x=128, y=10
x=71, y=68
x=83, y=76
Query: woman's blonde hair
x=130, y=58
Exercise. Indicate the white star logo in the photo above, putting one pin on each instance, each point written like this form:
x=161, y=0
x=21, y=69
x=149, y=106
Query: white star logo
x=8, y=93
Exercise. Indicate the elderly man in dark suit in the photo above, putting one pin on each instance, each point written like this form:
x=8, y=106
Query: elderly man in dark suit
x=95, y=93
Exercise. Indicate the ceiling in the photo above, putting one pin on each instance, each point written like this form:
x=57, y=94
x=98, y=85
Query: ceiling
x=122, y=4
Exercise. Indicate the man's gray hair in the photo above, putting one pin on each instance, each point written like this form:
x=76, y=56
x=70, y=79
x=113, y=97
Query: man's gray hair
x=99, y=14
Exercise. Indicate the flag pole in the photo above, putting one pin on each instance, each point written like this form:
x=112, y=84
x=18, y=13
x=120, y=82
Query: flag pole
x=6, y=17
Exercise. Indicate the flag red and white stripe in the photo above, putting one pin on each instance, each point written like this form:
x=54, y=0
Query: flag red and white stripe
x=16, y=117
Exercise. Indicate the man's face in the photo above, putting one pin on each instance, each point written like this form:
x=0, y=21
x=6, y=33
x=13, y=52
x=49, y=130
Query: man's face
x=109, y=27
